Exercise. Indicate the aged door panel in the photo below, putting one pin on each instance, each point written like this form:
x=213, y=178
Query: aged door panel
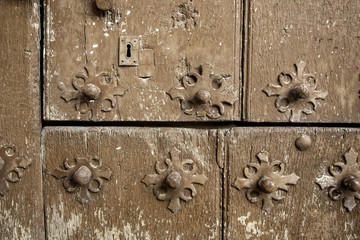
x=125, y=207
x=21, y=203
x=302, y=61
x=143, y=60
x=265, y=164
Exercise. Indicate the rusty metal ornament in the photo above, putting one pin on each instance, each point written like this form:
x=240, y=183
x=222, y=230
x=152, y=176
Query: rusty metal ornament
x=104, y=5
x=83, y=176
x=344, y=180
x=203, y=93
x=92, y=92
x=265, y=181
x=303, y=142
x=11, y=167
x=173, y=182
x=297, y=93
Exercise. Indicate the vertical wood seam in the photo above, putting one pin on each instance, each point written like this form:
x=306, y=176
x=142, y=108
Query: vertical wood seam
x=246, y=58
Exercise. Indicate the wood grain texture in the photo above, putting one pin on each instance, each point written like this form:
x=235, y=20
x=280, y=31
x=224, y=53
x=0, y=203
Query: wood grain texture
x=201, y=32
x=307, y=212
x=323, y=34
x=125, y=208
x=21, y=214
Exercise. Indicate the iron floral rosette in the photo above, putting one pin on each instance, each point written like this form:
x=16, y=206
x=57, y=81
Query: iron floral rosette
x=83, y=176
x=296, y=93
x=203, y=93
x=93, y=93
x=173, y=182
x=265, y=181
x=12, y=166
x=344, y=180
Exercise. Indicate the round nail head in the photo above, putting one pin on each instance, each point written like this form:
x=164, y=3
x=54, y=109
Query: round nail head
x=82, y=175
x=174, y=180
x=352, y=183
x=92, y=91
x=103, y=4
x=203, y=96
x=301, y=91
x=303, y=142
x=267, y=185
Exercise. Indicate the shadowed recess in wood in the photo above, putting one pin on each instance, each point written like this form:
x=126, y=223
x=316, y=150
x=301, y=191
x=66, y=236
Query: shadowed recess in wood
x=297, y=92
x=11, y=167
x=173, y=182
x=265, y=181
x=203, y=93
x=93, y=92
x=83, y=175
x=344, y=180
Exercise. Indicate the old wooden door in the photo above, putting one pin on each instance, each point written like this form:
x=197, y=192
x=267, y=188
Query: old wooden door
x=179, y=119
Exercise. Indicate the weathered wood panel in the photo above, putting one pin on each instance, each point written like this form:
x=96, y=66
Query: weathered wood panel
x=21, y=214
x=325, y=35
x=126, y=208
x=183, y=35
x=306, y=212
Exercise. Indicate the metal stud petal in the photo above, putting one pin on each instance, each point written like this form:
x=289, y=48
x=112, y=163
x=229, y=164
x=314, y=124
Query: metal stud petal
x=264, y=183
x=171, y=183
x=90, y=92
x=83, y=177
x=298, y=89
x=198, y=96
x=12, y=165
x=343, y=184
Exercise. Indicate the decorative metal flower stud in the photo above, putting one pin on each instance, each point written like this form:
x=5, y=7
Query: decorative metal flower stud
x=296, y=92
x=344, y=180
x=203, y=93
x=93, y=92
x=83, y=175
x=263, y=181
x=173, y=182
x=11, y=166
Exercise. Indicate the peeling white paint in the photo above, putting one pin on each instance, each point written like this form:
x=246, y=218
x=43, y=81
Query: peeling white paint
x=243, y=219
x=59, y=225
x=12, y=224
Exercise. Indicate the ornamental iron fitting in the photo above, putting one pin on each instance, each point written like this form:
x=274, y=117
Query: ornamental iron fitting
x=176, y=181
x=92, y=92
x=344, y=180
x=265, y=181
x=83, y=176
x=203, y=93
x=297, y=92
x=12, y=167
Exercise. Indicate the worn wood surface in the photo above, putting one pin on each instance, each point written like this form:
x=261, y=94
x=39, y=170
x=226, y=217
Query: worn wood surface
x=307, y=212
x=323, y=34
x=175, y=38
x=21, y=214
x=183, y=34
x=125, y=208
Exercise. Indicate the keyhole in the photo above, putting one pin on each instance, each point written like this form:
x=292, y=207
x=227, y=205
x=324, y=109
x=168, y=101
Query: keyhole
x=128, y=52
